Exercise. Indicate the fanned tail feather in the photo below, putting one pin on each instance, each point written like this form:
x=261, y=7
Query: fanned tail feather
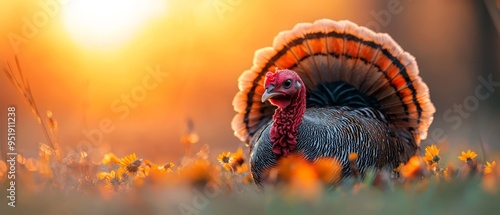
x=373, y=67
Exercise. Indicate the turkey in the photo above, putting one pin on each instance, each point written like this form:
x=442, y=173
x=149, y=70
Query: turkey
x=328, y=89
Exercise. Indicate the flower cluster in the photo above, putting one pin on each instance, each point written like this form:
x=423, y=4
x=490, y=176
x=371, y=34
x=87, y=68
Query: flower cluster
x=234, y=162
x=415, y=167
x=130, y=169
x=294, y=175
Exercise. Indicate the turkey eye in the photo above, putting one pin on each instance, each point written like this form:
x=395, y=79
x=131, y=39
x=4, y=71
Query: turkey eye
x=287, y=84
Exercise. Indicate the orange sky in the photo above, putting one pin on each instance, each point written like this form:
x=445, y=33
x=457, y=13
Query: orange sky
x=202, y=50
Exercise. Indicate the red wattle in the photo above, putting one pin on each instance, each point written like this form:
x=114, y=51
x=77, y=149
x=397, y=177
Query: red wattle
x=284, y=130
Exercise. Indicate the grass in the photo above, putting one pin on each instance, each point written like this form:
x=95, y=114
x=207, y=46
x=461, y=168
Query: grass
x=200, y=185
x=430, y=195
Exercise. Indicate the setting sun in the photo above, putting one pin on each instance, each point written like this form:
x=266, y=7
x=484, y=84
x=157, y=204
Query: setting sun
x=107, y=24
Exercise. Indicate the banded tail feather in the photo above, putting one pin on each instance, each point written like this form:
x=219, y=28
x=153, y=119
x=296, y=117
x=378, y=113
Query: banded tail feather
x=341, y=64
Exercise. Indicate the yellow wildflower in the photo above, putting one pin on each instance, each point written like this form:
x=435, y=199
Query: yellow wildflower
x=467, y=157
x=489, y=167
x=225, y=160
x=110, y=158
x=102, y=175
x=148, y=163
x=111, y=176
x=143, y=171
x=114, y=179
x=166, y=168
x=431, y=154
x=131, y=163
x=108, y=176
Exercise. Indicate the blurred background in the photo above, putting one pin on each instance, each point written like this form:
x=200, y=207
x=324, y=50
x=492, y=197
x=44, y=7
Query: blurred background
x=147, y=69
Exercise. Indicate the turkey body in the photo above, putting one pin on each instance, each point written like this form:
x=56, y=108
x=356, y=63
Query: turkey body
x=333, y=131
x=328, y=89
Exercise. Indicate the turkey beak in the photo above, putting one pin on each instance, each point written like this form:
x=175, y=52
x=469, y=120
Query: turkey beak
x=269, y=93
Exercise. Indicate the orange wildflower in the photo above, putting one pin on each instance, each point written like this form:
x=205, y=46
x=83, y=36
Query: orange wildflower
x=242, y=169
x=353, y=156
x=238, y=158
x=490, y=180
x=489, y=167
x=225, y=160
x=298, y=176
x=329, y=169
x=200, y=173
x=158, y=173
x=413, y=168
x=248, y=179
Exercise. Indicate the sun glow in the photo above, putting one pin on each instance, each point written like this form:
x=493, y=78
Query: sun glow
x=108, y=24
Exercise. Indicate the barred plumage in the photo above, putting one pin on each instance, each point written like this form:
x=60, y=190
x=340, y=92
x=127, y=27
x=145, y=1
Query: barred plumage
x=363, y=95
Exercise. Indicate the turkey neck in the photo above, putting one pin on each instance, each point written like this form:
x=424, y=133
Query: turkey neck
x=286, y=122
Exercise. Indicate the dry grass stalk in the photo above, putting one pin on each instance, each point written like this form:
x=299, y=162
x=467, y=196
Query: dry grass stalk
x=20, y=82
